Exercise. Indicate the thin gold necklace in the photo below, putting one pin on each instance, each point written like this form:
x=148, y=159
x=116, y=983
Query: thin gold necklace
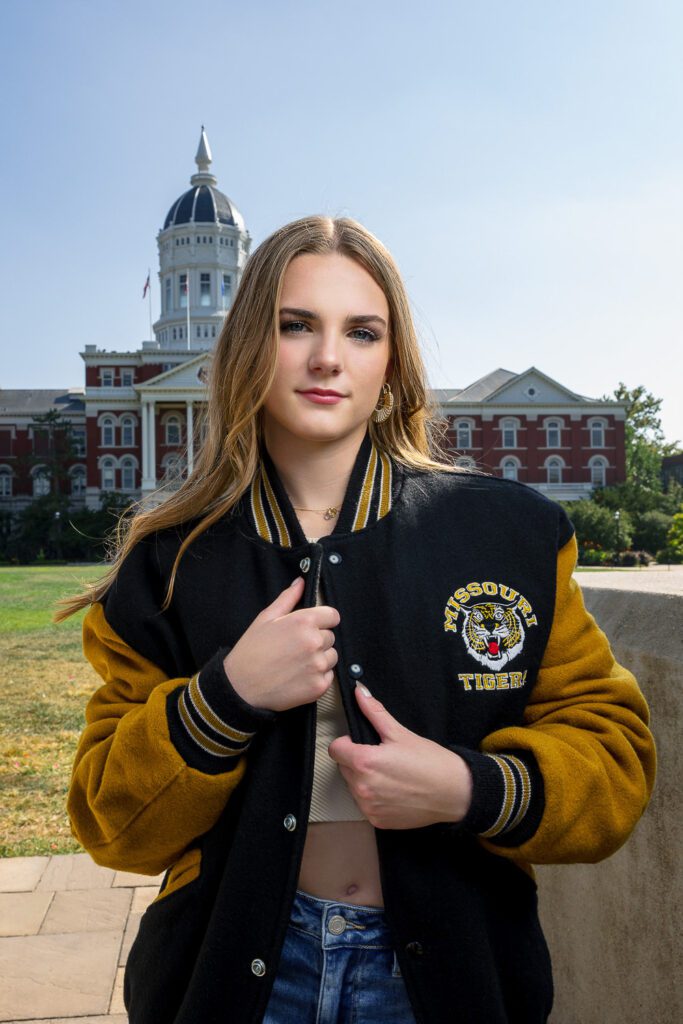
x=326, y=513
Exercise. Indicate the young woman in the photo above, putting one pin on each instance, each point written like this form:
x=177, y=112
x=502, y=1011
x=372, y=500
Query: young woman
x=350, y=692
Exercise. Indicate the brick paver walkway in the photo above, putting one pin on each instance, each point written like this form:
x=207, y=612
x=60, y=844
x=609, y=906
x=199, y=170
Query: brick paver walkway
x=66, y=925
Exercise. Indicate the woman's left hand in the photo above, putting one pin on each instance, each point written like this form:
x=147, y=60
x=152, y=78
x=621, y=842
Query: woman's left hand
x=405, y=781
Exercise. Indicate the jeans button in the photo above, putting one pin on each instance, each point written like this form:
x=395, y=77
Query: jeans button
x=336, y=924
x=290, y=822
x=415, y=948
x=334, y=557
x=258, y=967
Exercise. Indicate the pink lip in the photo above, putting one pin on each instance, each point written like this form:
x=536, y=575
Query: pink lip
x=322, y=397
x=327, y=398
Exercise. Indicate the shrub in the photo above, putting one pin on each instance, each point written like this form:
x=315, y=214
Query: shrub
x=670, y=556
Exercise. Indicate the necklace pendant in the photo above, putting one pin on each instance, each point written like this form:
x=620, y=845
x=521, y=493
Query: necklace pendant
x=330, y=513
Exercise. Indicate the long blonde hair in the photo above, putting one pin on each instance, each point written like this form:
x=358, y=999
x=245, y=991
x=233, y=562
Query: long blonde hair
x=242, y=370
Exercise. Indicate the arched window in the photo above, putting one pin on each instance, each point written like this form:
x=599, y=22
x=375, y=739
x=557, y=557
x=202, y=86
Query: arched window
x=597, y=429
x=510, y=468
x=128, y=431
x=509, y=433
x=5, y=482
x=554, y=471
x=77, y=478
x=598, y=468
x=173, y=430
x=41, y=482
x=553, y=434
x=107, y=427
x=466, y=461
x=128, y=474
x=174, y=467
x=108, y=475
x=463, y=435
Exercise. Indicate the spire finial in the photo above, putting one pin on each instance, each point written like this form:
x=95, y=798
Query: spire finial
x=203, y=157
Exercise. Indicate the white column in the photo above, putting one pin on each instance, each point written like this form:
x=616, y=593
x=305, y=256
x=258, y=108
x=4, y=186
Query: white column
x=144, y=444
x=152, y=446
x=190, y=439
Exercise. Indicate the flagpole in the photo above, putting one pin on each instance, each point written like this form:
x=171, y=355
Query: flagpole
x=188, y=307
x=151, y=338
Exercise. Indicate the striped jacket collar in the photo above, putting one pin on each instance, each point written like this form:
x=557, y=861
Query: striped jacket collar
x=369, y=496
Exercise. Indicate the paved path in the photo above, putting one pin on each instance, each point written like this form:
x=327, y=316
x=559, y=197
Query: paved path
x=653, y=579
x=66, y=925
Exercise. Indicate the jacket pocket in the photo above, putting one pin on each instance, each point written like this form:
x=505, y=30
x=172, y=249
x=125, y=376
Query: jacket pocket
x=185, y=870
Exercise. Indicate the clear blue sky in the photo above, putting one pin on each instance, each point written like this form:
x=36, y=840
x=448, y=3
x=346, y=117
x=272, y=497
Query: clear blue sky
x=522, y=161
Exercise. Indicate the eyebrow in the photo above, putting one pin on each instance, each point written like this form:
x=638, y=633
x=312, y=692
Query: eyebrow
x=364, y=318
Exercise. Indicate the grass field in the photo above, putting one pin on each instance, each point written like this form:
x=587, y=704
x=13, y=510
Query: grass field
x=46, y=685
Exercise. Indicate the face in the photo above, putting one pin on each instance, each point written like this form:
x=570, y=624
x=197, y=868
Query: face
x=333, y=336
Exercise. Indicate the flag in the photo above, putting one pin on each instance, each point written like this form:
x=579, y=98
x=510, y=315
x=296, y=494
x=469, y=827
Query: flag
x=144, y=290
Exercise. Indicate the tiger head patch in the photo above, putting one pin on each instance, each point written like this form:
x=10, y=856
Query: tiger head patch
x=492, y=620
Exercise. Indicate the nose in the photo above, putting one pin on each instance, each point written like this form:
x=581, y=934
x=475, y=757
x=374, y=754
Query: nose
x=326, y=353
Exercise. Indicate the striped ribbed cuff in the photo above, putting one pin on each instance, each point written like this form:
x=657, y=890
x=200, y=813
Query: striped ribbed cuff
x=507, y=795
x=210, y=725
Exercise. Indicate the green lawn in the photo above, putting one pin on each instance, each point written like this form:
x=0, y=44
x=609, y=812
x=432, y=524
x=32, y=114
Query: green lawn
x=46, y=685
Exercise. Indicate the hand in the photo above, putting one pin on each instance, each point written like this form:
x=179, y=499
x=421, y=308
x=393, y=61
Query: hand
x=285, y=657
x=405, y=781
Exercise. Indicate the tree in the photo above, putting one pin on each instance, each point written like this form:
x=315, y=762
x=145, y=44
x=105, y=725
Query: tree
x=596, y=526
x=645, y=448
x=53, y=447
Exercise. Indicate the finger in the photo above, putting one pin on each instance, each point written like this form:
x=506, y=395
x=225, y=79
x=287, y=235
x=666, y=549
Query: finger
x=327, y=638
x=384, y=722
x=285, y=602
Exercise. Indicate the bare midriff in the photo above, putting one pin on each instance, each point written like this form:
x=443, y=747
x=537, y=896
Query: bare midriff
x=340, y=862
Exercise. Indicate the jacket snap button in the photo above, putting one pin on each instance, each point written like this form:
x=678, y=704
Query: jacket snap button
x=336, y=924
x=355, y=670
x=334, y=557
x=415, y=948
x=258, y=967
x=290, y=822
x=305, y=564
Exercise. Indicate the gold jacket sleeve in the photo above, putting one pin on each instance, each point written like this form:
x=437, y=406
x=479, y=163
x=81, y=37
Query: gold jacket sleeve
x=586, y=725
x=134, y=802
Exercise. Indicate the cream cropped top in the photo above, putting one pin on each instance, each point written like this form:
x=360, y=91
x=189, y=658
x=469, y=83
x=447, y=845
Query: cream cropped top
x=331, y=799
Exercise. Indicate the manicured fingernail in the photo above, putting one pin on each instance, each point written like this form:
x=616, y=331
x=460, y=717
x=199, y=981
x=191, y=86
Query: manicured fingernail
x=364, y=690
x=295, y=580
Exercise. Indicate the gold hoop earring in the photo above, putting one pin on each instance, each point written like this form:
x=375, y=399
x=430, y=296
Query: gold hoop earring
x=385, y=404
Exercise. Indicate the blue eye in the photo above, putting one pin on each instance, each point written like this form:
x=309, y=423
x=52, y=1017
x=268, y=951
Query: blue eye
x=370, y=336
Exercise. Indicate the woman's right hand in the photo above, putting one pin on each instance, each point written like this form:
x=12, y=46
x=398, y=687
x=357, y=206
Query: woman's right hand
x=285, y=657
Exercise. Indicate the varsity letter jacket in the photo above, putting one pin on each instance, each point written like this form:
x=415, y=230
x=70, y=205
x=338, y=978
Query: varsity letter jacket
x=459, y=610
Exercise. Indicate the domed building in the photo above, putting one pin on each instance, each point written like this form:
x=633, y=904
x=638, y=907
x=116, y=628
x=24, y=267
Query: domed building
x=135, y=423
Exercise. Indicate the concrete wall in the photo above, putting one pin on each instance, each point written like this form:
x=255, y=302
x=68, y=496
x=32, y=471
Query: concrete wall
x=615, y=928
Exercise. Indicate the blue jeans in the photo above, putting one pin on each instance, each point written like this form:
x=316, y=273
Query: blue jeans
x=337, y=967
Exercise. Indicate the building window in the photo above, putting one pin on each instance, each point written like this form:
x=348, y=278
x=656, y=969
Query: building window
x=464, y=435
x=174, y=333
x=127, y=475
x=199, y=331
x=108, y=378
x=205, y=289
x=466, y=461
x=126, y=378
x=108, y=475
x=41, y=482
x=597, y=434
x=213, y=330
x=128, y=431
x=168, y=294
x=78, y=481
x=554, y=470
x=182, y=297
x=510, y=469
x=5, y=483
x=78, y=440
x=509, y=433
x=172, y=430
x=553, y=433
x=598, y=468
x=107, y=426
